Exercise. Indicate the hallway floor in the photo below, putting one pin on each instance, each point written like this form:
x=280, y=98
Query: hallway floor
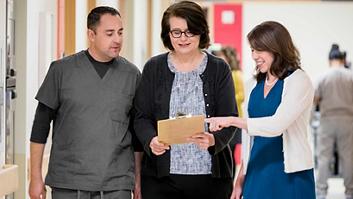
x=336, y=188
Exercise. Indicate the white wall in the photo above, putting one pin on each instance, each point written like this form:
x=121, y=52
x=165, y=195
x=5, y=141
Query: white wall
x=30, y=64
x=81, y=25
x=36, y=39
x=157, y=14
x=134, y=17
x=139, y=32
x=111, y=3
x=314, y=26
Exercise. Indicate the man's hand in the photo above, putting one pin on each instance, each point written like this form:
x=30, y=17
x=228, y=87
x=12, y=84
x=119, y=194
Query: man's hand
x=37, y=189
x=36, y=185
x=137, y=191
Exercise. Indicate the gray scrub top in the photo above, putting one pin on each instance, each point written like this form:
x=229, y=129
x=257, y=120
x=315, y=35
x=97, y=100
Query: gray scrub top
x=335, y=90
x=91, y=148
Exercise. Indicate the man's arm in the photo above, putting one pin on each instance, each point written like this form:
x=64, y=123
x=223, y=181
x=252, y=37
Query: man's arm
x=36, y=185
x=40, y=131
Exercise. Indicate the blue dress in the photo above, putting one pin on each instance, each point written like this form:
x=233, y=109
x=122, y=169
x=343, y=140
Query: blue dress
x=265, y=177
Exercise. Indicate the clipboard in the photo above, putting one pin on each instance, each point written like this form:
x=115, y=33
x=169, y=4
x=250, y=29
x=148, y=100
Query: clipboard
x=177, y=130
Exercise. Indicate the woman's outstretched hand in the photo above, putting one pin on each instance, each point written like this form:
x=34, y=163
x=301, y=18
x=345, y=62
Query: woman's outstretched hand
x=218, y=123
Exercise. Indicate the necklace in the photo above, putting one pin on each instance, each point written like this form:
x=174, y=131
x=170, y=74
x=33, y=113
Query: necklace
x=183, y=65
x=270, y=83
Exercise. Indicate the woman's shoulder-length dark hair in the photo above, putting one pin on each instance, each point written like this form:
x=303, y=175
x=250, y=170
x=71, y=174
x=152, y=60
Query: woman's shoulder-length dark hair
x=194, y=17
x=273, y=37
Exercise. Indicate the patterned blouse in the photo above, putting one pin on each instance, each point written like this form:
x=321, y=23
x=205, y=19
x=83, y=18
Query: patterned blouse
x=187, y=98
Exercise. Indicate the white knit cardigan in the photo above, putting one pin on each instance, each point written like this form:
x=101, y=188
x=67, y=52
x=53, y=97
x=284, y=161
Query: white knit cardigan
x=290, y=120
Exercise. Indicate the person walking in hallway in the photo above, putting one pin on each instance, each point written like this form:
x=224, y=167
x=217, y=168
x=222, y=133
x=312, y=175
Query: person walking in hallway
x=334, y=95
x=88, y=96
x=230, y=56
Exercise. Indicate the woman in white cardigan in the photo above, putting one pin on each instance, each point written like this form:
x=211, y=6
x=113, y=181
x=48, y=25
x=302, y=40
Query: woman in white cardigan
x=277, y=159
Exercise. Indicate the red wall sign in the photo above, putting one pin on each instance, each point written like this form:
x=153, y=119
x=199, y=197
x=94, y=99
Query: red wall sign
x=228, y=26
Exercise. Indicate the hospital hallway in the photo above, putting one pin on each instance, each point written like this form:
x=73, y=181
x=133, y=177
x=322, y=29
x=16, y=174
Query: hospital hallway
x=36, y=33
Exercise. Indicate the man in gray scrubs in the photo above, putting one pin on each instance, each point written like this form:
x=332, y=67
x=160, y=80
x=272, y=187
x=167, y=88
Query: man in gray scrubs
x=88, y=96
x=334, y=95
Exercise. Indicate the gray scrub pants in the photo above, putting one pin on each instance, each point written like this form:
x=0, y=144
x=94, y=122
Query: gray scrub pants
x=58, y=193
x=331, y=130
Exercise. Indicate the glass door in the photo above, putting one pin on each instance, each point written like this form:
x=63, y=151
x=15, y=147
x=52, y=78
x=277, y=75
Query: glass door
x=3, y=18
x=10, y=82
x=7, y=83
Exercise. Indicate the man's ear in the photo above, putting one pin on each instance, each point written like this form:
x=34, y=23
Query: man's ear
x=91, y=34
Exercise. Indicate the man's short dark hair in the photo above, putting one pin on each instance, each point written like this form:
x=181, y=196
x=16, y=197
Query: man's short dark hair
x=194, y=17
x=96, y=13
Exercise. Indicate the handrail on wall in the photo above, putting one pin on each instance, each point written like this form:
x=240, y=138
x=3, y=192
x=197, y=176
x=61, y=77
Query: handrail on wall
x=8, y=179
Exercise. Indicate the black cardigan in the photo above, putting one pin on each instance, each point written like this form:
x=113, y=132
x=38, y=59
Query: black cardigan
x=152, y=104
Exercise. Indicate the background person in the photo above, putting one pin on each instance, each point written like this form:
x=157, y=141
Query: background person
x=230, y=56
x=334, y=95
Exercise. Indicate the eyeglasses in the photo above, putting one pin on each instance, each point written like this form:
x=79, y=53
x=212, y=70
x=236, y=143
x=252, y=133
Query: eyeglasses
x=178, y=33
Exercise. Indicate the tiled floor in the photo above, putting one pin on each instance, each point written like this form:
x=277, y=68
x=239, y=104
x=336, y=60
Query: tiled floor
x=336, y=188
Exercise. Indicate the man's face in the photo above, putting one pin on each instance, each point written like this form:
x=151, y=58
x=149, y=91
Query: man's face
x=107, y=38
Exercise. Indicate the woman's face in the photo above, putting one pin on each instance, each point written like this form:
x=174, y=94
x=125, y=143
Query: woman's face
x=263, y=60
x=187, y=42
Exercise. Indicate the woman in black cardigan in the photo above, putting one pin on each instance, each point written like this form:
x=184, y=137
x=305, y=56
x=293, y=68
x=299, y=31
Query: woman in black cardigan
x=185, y=80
